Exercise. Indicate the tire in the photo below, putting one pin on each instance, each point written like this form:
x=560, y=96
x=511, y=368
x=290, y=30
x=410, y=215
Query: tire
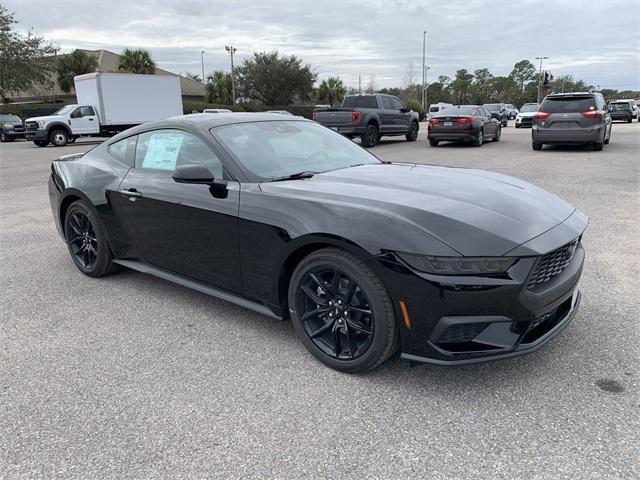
x=72, y=139
x=433, y=143
x=608, y=139
x=630, y=119
x=597, y=147
x=370, y=136
x=374, y=334
x=497, y=136
x=517, y=126
x=536, y=146
x=477, y=142
x=3, y=137
x=87, y=241
x=41, y=143
x=59, y=137
x=412, y=136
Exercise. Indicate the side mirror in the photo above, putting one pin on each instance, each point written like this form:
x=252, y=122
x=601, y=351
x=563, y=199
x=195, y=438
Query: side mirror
x=405, y=109
x=193, y=173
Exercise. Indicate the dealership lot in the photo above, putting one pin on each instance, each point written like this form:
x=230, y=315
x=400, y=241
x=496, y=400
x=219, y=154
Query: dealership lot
x=132, y=376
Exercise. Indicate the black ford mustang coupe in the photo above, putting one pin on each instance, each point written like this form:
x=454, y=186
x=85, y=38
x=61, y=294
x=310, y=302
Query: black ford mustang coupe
x=290, y=219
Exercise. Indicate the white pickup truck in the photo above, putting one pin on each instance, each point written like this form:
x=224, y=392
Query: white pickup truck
x=107, y=104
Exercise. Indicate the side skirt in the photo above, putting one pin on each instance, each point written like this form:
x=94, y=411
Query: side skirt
x=201, y=287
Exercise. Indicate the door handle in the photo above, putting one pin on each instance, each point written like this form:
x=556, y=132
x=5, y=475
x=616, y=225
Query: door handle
x=91, y=119
x=132, y=193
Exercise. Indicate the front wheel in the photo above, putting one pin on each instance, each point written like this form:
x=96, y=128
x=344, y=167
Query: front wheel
x=41, y=143
x=59, y=138
x=630, y=119
x=4, y=137
x=412, y=136
x=87, y=240
x=370, y=136
x=341, y=311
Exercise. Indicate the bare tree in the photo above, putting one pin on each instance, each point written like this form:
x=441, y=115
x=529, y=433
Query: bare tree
x=371, y=86
x=409, y=75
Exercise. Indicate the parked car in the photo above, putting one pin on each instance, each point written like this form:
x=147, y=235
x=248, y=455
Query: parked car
x=512, y=111
x=499, y=112
x=525, y=115
x=621, y=111
x=578, y=118
x=11, y=127
x=464, y=123
x=216, y=110
x=437, y=108
x=370, y=117
x=108, y=103
x=279, y=112
x=291, y=220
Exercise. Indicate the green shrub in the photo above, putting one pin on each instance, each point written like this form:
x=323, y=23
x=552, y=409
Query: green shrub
x=416, y=107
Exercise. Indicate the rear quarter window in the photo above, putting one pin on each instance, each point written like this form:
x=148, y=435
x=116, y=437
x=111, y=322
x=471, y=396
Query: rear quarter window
x=568, y=105
x=123, y=150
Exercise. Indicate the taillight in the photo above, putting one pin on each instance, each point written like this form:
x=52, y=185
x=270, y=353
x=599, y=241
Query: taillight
x=541, y=115
x=593, y=114
x=313, y=116
x=434, y=121
x=465, y=120
x=355, y=118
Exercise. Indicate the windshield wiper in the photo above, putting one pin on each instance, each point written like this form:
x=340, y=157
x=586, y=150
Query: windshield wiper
x=293, y=176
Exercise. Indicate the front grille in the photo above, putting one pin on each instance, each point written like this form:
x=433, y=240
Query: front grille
x=552, y=264
x=526, y=121
x=31, y=125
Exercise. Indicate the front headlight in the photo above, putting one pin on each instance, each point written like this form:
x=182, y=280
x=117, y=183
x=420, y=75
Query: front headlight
x=459, y=265
x=41, y=124
x=7, y=126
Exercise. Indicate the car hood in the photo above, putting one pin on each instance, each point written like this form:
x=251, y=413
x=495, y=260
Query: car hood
x=475, y=212
x=44, y=117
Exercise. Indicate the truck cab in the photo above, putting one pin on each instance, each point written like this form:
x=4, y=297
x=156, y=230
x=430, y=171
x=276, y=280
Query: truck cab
x=64, y=126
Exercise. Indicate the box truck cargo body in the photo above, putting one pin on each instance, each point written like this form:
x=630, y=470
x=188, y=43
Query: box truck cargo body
x=107, y=104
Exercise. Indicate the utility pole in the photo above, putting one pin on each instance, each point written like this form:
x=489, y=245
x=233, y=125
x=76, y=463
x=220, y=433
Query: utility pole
x=540, y=77
x=426, y=89
x=424, y=52
x=232, y=50
x=202, y=52
x=359, y=83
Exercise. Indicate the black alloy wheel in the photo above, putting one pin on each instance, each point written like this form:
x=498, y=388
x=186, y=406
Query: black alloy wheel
x=412, y=136
x=87, y=241
x=370, y=136
x=3, y=137
x=341, y=311
x=477, y=141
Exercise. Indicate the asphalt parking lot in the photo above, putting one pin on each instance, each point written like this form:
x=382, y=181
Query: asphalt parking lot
x=130, y=376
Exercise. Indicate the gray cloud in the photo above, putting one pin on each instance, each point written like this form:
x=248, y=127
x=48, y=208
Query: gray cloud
x=595, y=40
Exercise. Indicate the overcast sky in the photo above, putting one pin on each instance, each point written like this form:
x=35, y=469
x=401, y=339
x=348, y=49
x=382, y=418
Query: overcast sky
x=595, y=40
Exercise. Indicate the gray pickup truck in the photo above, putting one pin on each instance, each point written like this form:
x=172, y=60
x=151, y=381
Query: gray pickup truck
x=370, y=117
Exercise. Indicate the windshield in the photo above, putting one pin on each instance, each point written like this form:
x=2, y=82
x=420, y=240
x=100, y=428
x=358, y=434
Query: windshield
x=492, y=107
x=269, y=150
x=9, y=118
x=452, y=111
x=66, y=109
x=619, y=106
x=529, y=108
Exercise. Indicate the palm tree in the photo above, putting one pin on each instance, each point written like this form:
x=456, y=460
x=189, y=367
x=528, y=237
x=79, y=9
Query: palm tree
x=219, y=88
x=72, y=64
x=331, y=91
x=136, y=61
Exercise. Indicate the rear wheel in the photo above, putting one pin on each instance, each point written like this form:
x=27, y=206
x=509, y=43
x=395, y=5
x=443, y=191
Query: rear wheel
x=517, y=125
x=87, y=241
x=496, y=138
x=630, y=119
x=433, y=143
x=412, y=136
x=59, y=138
x=370, y=136
x=41, y=143
x=477, y=141
x=536, y=146
x=598, y=146
x=341, y=311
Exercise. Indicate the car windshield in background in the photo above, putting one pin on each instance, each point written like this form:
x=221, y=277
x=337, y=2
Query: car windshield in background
x=529, y=108
x=366, y=101
x=434, y=109
x=492, y=107
x=276, y=149
x=453, y=111
x=64, y=110
x=568, y=105
x=9, y=118
x=619, y=106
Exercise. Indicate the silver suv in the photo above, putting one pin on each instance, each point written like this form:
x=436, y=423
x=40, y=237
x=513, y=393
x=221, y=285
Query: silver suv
x=573, y=118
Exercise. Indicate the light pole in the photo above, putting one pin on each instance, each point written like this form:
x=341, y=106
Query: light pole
x=540, y=76
x=202, y=52
x=424, y=51
x=426, y=89
x=231, y=49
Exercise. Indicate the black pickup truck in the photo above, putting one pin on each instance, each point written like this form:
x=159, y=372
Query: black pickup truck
x=370, y=117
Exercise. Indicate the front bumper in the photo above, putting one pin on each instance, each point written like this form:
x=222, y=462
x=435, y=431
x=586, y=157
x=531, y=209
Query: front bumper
x=455, y=320
x=524, y=121
x=14, y=133
x=35, y=135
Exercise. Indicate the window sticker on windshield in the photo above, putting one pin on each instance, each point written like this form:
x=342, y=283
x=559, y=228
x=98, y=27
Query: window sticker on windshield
x=162, y=152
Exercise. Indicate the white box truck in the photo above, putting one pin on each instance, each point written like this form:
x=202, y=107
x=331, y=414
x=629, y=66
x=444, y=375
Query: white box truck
x=107, y=104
